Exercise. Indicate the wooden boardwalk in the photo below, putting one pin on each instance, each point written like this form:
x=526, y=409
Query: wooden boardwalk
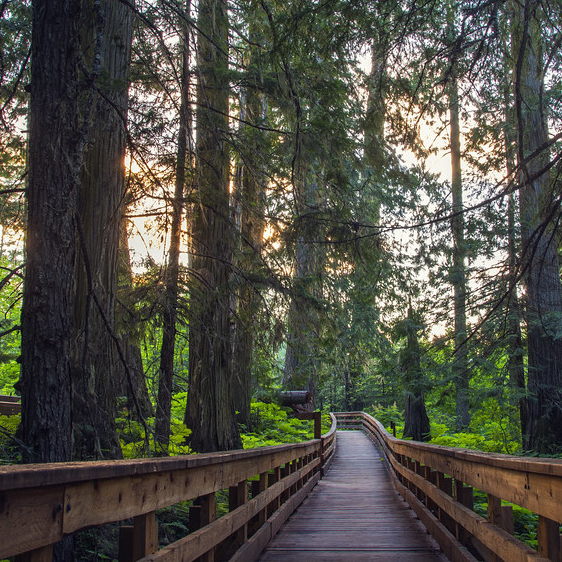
x=354, y=514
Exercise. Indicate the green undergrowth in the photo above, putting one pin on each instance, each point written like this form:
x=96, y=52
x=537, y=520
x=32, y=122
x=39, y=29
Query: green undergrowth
x=274, y=425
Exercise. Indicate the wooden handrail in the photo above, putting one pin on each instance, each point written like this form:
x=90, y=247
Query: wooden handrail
x=42, y=503
x=9, y=405
x=438, y=481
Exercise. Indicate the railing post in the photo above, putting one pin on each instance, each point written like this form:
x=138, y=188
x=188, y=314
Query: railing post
x=445, y=484
x=549, y=538
x=317, y=425
x=140, y=539
x=431, y=476
x=208, y=515
x=237, y=496
x=465, y=496
x=418, y=469
x=273, y=478
x=495, y=517
x=262, y=515
x=200, y=515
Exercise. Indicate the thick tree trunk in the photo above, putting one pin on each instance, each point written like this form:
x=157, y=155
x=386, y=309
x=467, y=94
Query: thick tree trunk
x=539, y=255
x=210, y=410
x=170, y=304
x=106, y=39
x=54, y=161
x=461, y=373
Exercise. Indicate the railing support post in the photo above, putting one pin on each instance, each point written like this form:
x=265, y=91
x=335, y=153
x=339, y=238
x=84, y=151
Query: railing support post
x=262, y=516
x=465, y=496
x=140, y=539
x=273, y=478
x=549, y=538
x=317, y=425
x=445, y=484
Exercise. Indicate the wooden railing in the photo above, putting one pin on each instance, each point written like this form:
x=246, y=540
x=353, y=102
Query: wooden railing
x=40, y=504
x=9, y=405
x=438, y=483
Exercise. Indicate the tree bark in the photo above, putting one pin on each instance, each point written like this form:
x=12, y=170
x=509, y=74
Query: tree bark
x=515, y=350
x=54, y=161
x=248, y=261
x=171, y=276
x=210, y=410
x=106, y=41
x=461, y=373
x=539, y=255
x=416, y=420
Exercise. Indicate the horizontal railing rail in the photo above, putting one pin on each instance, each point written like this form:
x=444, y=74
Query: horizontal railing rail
x=9, y=405
x=438, y=484
x=40, y=504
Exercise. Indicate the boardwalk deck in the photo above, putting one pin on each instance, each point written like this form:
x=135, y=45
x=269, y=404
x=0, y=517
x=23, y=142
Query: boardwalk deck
x=354, y=515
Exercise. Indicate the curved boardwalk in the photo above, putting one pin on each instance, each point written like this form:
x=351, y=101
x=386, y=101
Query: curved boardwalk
x=354, y=514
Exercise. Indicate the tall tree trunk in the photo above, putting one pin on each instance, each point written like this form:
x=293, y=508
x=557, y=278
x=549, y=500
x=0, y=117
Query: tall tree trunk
x=210, y=410
x=54, y=161
x=539, y=255
x=458, y=272
x=248, y=259
x=375, y=154
x=106, y=39
x=416, y=421
x=170, y=304
x=515, y=363
x=301, y=364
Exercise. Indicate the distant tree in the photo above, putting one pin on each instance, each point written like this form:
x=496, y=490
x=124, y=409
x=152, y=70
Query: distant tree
x=184, y=163
x=458, y=271
x=416, y=421
x=131, y=380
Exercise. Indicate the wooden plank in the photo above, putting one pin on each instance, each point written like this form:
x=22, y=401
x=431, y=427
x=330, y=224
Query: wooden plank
x=49, y=474
x=30, y=519
x=4, y=398
x=353, y=511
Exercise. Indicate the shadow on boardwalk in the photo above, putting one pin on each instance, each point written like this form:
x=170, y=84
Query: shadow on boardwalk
x=354, y=514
